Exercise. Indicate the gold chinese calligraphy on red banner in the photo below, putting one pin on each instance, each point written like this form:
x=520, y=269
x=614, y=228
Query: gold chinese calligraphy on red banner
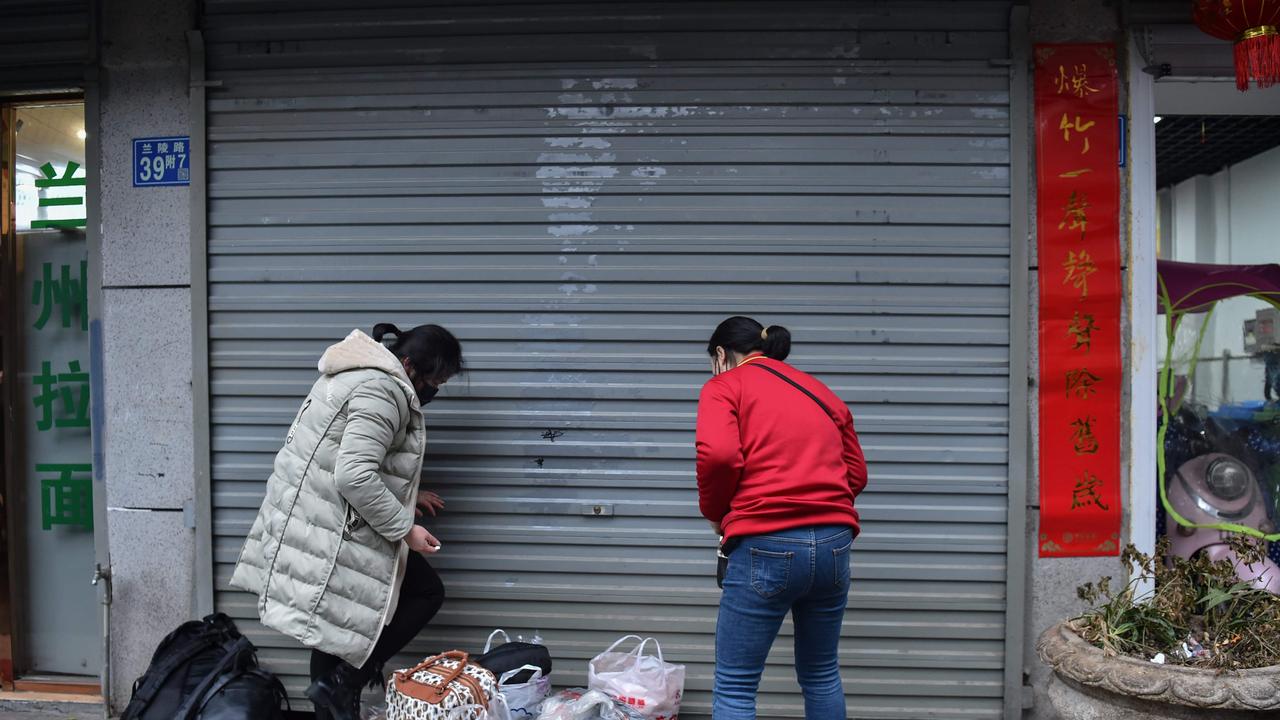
x=1078, y=228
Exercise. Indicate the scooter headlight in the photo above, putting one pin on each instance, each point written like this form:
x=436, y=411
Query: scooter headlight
x=1228, y=479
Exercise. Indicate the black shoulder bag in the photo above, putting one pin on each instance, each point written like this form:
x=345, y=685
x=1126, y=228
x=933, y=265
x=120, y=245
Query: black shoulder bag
x=726, y=549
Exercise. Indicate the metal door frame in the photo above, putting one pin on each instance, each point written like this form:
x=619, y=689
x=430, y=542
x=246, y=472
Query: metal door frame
x=202, y=458
x=1015, y=623
x=1019, y=348
x=9, y=556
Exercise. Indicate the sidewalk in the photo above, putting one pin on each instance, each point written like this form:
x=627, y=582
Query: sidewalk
x=88, y=712
x=27, y=706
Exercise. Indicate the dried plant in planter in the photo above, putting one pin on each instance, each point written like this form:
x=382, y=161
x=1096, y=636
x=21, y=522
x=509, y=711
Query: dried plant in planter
x=1201, y=614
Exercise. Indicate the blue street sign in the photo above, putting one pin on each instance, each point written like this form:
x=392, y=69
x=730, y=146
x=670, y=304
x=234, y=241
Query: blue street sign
x=161, y=161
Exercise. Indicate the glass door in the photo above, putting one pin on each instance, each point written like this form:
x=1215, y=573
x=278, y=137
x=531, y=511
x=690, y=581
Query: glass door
x=56, y=616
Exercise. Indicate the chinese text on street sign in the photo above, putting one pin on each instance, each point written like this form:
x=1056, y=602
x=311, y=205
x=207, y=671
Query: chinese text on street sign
x=161, y=161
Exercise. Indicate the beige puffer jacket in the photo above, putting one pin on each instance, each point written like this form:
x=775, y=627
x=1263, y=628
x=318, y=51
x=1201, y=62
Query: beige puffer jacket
x=326, y=554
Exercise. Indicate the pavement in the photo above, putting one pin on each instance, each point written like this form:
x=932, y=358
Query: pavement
x=82, y=712
x=12, y=708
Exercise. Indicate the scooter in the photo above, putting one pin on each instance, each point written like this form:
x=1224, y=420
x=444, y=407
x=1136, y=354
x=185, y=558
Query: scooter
x=1211, y=486
x=1210, y=472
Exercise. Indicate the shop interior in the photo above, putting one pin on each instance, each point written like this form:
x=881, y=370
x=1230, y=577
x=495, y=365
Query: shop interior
x=1218, y=237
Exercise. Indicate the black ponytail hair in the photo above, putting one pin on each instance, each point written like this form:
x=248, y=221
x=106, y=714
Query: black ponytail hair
x=745, y=336
x=434, y=352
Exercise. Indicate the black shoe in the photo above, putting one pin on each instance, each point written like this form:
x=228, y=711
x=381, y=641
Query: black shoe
x=337, y=693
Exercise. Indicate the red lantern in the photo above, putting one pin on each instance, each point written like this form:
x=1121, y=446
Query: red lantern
x=1252, y=26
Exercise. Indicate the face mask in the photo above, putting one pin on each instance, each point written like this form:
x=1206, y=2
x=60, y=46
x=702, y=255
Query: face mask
x=718, y=367
x=424, y=394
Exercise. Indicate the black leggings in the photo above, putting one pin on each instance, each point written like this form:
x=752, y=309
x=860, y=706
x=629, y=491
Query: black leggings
x=421, y=595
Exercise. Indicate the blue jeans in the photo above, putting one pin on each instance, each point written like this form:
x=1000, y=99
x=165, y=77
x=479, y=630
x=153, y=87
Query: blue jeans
x=804, y=571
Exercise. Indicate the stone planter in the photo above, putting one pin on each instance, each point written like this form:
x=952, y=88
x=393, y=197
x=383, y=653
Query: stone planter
x=1089, y=685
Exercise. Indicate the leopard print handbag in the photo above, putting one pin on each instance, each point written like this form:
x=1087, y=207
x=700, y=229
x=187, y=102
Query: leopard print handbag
x=438, y=686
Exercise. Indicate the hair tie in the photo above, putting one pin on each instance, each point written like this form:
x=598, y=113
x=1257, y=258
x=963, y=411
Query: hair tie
x=764, y=333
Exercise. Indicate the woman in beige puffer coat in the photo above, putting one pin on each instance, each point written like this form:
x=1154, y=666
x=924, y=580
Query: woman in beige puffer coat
x=334, y=556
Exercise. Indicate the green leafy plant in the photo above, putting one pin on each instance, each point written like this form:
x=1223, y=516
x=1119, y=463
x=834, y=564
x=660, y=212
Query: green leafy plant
x=1223, y=622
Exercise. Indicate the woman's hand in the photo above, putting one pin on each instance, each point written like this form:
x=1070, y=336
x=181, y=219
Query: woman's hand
x=421, y=541
x=428, y=502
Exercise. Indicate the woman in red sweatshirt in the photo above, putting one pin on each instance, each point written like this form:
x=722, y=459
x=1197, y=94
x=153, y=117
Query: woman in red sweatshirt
x=779, y=467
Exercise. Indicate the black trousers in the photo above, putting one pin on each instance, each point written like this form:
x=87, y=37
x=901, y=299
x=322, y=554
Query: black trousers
x=421, y=595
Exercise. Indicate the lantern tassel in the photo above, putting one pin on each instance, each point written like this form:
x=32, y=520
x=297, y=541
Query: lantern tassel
x=1258, y=58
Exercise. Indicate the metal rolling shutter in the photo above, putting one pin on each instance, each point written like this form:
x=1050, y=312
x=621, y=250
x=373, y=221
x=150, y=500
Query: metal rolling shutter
x=44, y=45
x=581, y=191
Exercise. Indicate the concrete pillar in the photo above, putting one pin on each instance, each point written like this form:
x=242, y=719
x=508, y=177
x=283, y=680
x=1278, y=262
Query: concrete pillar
x=146, y=317
x=1053, y=581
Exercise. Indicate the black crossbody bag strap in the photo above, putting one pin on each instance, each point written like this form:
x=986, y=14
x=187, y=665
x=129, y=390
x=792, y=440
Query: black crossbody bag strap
x=804, y=390
x=722, y=552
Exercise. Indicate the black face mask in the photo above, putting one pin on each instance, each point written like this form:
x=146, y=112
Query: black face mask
x=425, y=394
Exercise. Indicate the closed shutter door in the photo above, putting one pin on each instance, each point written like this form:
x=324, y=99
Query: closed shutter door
x=581, y=192
x=44, y=45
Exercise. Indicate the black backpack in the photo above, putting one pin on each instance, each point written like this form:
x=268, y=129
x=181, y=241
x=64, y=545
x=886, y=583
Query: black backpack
x=206, y=670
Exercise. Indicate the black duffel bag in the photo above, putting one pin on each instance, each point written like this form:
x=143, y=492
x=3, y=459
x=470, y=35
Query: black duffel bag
x=206, y=670
x=512, y=656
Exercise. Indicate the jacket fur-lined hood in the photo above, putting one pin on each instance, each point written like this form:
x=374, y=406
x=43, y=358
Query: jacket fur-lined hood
x=359, y=351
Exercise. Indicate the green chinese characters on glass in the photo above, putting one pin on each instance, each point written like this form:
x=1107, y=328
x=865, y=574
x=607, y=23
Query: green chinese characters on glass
x=51, y=180
x=66, y=498
x=67, y=294
x=62, y=398
x=59, y=296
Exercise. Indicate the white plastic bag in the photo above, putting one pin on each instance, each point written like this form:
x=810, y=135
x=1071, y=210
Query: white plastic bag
x=497, y=710
x=535, y=640
x=488, y=645
x=583, y=704
x=647, y=683
x=524, y=699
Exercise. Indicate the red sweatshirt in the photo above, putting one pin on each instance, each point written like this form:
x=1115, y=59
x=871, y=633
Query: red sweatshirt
x=769, y=458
